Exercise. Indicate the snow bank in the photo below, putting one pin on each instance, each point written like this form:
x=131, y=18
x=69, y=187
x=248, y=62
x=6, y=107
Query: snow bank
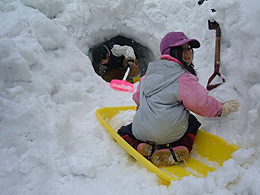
x=47, y=7
x=13, y=66
x=50, y=139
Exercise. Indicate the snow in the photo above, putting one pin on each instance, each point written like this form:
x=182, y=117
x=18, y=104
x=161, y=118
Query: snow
x=50, y=139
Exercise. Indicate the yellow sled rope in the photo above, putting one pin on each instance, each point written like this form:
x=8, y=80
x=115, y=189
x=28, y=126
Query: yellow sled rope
x=209, y=151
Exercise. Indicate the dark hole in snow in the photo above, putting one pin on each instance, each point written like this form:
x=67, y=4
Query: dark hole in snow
x=143, y=54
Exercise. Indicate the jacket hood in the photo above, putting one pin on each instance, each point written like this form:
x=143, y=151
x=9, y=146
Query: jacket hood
x=159, y=75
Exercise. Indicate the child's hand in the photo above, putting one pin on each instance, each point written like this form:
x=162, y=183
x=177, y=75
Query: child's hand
x=230, y=106
x=131, y=63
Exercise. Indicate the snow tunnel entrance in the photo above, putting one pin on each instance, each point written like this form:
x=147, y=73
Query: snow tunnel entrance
x=143, y=54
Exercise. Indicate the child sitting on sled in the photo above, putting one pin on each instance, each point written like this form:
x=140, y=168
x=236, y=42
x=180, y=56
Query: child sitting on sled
x=163, y=129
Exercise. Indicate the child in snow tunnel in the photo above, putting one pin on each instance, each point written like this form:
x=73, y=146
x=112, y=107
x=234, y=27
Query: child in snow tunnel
x=110, y=61
x=163, y=129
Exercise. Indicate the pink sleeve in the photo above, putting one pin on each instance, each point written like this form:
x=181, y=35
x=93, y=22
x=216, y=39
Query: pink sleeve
x=195, y=97
x=136, y=95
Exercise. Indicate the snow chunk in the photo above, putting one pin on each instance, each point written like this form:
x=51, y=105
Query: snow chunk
x=49, y=8
x=254, y=94
x=243, y=155
x=122, y=118
x=13, y=67
x=229, y=174
x=47, y=33
x=82, y=166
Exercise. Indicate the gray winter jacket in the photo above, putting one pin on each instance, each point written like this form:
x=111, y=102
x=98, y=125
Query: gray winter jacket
x=160, y=118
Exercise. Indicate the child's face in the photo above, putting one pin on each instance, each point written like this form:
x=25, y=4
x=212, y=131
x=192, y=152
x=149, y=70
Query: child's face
x=105, y=61
x=187, y=55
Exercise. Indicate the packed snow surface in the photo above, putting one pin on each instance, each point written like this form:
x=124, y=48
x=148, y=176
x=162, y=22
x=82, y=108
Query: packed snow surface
x=50, y=139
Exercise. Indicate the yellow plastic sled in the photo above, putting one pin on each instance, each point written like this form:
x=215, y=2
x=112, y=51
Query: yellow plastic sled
x=209, y=151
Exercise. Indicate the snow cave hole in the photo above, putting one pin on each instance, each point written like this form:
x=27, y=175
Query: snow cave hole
x=143, y=54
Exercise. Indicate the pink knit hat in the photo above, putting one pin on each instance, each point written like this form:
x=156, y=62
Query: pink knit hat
x=174, y=39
